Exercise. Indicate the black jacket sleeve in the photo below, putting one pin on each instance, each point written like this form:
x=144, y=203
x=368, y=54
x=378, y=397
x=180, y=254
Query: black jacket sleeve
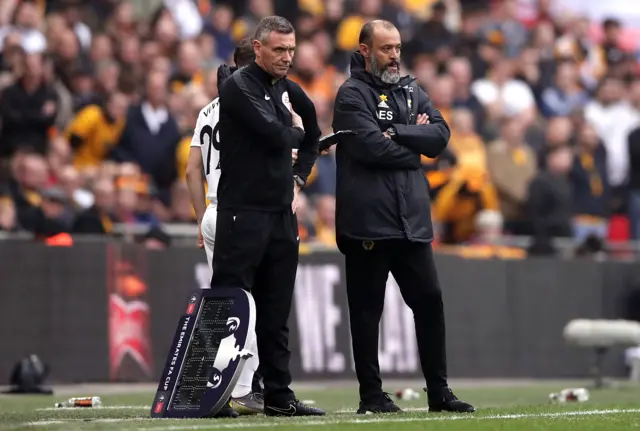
x=245, y=101
x=123, y=151
x=369, y=147
x=537, y=205
x=308, y=151
x=427, y=139
x=18, y=113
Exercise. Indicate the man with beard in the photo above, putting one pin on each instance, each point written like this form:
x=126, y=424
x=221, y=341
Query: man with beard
x=383, y=217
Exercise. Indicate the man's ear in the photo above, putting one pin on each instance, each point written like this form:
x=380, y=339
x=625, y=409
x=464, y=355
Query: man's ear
x=365, y=50
x=256, y=47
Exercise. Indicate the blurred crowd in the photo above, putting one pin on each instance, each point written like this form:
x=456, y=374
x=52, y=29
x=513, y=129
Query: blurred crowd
x=98, y=100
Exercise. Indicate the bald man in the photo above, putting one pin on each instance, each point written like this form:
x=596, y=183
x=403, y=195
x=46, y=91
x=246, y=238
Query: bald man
x=383, y=217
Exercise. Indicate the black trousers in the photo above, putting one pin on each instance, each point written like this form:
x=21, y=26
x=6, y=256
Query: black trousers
x=258, y=251
x=368, y=264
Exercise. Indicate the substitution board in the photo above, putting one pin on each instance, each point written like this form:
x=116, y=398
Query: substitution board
x=207, y=355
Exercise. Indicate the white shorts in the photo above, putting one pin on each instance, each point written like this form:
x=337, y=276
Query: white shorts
x=209, y=231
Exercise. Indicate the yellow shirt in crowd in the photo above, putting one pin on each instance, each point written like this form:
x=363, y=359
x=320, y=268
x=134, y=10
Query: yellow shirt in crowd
x=93, y=136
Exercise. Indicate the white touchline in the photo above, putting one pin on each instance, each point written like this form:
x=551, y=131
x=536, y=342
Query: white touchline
x=95, y=408
x=338, y=420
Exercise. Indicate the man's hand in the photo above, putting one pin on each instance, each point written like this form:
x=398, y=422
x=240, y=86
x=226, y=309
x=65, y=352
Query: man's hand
x=294, y=154
x=296, y=119
x=49, y=108
x=200, y=238
x=296, y=194
x=422, y=119
x=386, y=135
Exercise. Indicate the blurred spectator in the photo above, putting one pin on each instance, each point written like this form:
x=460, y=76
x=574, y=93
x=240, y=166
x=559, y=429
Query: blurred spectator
x=26, y=23
x=188, y=70
x=326, y=224
x=99, y=218
x=502, y=95
x=559, y=133
x=151, y=135
x=52, y=217
x=611, y=43
x=505, y=20
x=28, y=109
x=30, y=178
x=459, y=68
x=576, y=44
x=550, y=202
x=566, y=95
x=8, y=219
x=349, y=27
x=314, y=77
x=304, y=215
x=96, y=130
x=512, y=165
x=220, y=28
x=441, y=93
x=433, y=37
x=187, y=17
x=614, y=118
x=518, y=73
x=590, y=187
x=72, y=12
x=634, y=182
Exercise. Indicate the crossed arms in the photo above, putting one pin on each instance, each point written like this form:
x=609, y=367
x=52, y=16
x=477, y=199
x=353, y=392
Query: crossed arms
x=372, y=148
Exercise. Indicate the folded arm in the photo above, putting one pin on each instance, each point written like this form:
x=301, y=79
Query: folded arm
x=427, y=139
x=308, y=151
x=247, y=103
x=369, y=147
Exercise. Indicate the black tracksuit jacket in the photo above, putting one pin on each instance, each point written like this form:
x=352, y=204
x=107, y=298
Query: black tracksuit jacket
x=256, y=139
x=381, y=191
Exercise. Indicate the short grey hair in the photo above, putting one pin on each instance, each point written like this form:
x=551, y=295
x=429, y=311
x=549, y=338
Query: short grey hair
x=272, y=23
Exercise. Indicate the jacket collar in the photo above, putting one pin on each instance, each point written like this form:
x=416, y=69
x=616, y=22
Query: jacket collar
x=261, y=74
x=359, y=72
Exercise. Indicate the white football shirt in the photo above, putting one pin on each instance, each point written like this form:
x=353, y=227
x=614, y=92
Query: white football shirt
x=206, y=136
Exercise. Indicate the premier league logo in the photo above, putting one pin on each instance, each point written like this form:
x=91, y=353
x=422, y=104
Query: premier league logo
x=208, y=353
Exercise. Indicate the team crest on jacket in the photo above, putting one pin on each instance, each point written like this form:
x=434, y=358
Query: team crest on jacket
x=367, y=245
x=383, y=102
x=384, y=111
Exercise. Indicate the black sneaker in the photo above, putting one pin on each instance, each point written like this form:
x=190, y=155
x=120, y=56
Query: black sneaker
x=292, y=408
x=226, y=412
x=446, y=401
x=382, y=404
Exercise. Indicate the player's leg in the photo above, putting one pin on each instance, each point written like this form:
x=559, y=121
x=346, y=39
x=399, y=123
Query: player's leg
x=208, y=228
x=273, y=292
x=415, y=271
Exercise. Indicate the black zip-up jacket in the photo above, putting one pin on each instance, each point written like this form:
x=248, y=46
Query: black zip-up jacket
x=382, y=192
x=256, y=139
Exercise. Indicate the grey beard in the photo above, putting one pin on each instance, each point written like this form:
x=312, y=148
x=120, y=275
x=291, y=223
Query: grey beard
x=384, y=74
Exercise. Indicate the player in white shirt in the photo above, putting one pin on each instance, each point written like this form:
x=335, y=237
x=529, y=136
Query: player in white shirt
x=204, y=157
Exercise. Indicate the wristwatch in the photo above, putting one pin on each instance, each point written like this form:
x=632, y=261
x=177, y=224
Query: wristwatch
x=299, y=181
x=391, y=131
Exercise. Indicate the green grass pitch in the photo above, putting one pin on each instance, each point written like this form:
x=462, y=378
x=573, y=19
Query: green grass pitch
x=521, y=408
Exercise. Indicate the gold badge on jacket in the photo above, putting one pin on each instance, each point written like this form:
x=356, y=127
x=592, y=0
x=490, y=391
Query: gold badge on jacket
x=384, y=111
x=367, y=245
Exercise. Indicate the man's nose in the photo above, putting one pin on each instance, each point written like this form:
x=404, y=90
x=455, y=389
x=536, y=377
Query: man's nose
x=288, y=57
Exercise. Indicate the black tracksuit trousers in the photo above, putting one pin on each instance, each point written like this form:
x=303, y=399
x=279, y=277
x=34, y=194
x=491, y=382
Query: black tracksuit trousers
x=368, y=264
x=258, y=251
